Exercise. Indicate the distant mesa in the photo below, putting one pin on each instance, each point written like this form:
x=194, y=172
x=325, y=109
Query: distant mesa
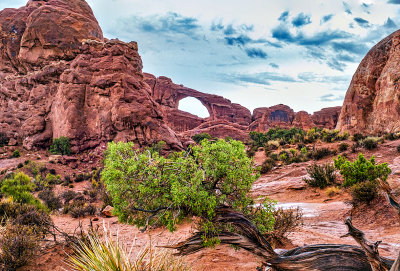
x=60, y=77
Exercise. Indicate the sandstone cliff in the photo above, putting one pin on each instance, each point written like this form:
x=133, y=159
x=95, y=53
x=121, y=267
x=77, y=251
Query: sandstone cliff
x=60, y=77
x=372, y=102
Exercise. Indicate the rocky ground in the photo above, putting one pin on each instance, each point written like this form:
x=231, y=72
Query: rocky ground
x=322, y=215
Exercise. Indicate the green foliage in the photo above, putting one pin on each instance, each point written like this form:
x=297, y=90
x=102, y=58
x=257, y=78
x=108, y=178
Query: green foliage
x=150, y=189
x=19, y=188
x=267, y=165
x=3, y=139
x=369, y=143
x=16, y=154
x=364, y=192
x=318, y=154
x=357, y=137
x=157, y=147
x=200, y=137
x=321, y=175
x=361, y=170
x=61, y=146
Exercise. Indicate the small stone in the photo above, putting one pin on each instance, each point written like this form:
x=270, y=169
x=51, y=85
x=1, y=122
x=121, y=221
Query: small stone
x=107, y=212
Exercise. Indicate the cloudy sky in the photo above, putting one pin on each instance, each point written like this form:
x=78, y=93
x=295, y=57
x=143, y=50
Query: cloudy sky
x=258, y=52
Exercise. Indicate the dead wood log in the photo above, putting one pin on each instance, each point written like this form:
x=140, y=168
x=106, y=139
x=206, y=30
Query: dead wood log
x=308, y=258
x=370, y=249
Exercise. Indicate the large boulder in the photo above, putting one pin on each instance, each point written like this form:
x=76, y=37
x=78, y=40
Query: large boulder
x=372, y=102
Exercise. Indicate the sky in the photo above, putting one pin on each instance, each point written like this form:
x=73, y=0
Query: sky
x=256, y=53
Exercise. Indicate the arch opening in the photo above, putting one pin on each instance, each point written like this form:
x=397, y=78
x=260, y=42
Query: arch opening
x=193, y=106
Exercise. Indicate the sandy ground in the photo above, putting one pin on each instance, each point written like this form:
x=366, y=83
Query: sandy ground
x=323, y=218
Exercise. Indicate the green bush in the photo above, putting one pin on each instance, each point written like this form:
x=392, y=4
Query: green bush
x=369, y=143
x=357, y=137
x=267, y=166
x=200, y=137
x=318, y=154
x=343, y=147
x=364, y=192
x=148, y=189
x=19, y=188
x=61, y=146
x=321, y=175
x=361, y=170
x=16, y=154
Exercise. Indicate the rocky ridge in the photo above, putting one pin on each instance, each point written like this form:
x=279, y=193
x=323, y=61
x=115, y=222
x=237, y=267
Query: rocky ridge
x=60, y=77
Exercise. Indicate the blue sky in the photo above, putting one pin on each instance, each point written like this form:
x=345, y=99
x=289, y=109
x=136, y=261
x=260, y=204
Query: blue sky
x=257, y=53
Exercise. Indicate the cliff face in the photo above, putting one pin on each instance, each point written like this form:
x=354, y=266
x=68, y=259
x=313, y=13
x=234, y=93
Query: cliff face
x=60, y=77
x=372, y=102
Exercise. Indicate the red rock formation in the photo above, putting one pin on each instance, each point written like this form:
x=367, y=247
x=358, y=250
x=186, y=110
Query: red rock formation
x=63, y=80
x=283, y=116
x=168, y=94
x=326, y=117
x=303, y=120
x=372, y=101
x=275, y=116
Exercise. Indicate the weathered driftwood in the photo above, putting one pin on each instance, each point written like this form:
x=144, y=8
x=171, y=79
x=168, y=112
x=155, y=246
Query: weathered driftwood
x=314, y=257
x=332, y=257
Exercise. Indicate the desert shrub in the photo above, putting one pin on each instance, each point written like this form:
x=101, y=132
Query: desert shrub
x=361, y=170
x=19, y=188
x=90, y=209
x=358, y=137
x=216, y=173
x=68, y=195
x=51, y=179
x=20, y=165
x=61, y=146
x=251, y=151
x=95, y=253
x=18, y=245
x=318, y=154
x=369, y=143
x=267, y=166
x=200, y=137
x=4, y=139
x=286, y=221
x=82, y=177
x=364, y=192
x=321, y=175
x=273, y=144
x=343, y=147
x=50, y=199
x=52, y=171
x=392, y=136
x=23, y=214
x=332, y=191
x=16, y=154
x=157, y=147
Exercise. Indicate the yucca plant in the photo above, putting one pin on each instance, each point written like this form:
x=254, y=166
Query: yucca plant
x=104, y=254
